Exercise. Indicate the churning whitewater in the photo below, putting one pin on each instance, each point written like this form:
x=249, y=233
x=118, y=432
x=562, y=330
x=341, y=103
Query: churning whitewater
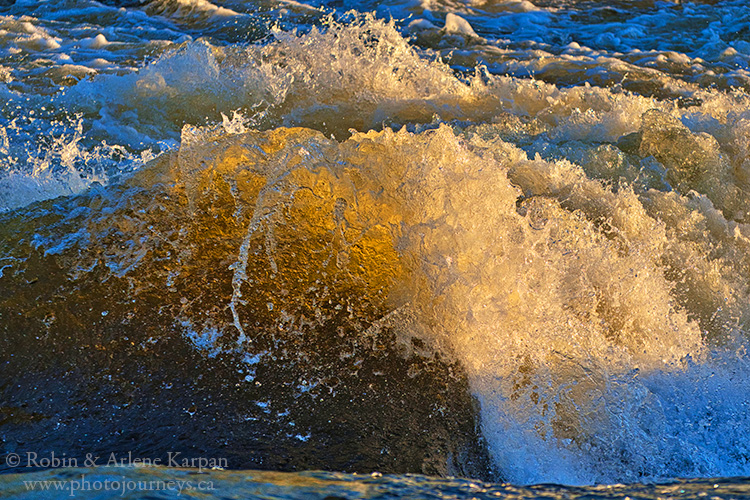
x=525, y=226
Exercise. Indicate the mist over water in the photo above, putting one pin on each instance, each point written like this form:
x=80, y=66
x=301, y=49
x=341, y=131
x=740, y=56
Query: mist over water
x=550, y=199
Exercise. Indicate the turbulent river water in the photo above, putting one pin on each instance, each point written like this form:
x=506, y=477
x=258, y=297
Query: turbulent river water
x=496, y=239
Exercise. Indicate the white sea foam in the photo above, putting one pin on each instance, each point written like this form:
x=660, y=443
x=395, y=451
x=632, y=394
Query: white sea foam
x=187, y=10
x=59, y=165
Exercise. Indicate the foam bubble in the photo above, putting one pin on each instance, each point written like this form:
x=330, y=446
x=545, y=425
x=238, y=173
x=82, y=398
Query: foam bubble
x=456, y=24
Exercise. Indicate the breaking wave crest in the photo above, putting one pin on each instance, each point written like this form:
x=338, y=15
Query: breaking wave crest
x=583, y=252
